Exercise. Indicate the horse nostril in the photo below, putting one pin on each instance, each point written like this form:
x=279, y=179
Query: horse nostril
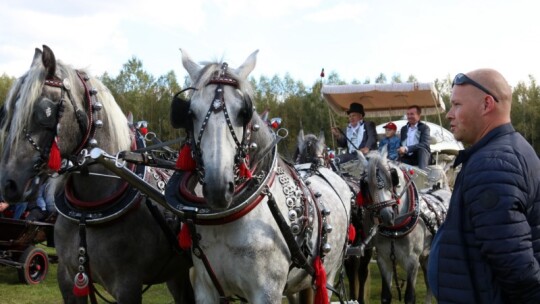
x=231, y=187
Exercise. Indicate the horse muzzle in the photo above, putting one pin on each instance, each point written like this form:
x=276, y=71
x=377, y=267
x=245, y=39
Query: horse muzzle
x=219, y=196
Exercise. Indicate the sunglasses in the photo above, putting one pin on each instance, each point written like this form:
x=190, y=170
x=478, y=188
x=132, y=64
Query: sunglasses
x=461, y=79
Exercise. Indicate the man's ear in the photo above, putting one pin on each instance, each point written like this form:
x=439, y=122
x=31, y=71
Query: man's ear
x=489, y=103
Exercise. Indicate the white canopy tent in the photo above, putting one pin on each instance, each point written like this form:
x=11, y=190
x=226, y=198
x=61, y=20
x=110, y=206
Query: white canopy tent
x=384, y=100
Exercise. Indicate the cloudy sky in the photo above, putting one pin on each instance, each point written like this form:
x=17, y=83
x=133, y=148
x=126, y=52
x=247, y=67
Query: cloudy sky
x=358, y=39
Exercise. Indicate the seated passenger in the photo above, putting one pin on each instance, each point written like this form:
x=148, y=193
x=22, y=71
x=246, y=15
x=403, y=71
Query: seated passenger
x=391, y=141
x=360, y=135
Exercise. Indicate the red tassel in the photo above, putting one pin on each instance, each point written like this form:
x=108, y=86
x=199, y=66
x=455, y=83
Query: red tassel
x=244, y=171
x=55, y=161
x=184, y=238
x=359, y=199
x=321, y=295
x=352, y=233
x=185, y=161
x=80, y=288
x=143, y=130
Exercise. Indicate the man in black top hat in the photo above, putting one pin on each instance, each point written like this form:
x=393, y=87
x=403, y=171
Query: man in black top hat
x=360, y=135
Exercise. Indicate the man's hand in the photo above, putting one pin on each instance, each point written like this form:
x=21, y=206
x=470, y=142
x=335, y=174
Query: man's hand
x=402, y=150
x=335, y=131
x=3, y=206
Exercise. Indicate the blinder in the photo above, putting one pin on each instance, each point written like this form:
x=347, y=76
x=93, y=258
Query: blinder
x=180, y=111
x=46, y=113
x=181, y=114
x=247, y=111
x=394, y=176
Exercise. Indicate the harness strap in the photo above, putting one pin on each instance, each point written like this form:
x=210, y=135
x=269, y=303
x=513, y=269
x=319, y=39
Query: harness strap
x=394, y=268
x=297, y=256
x=146, y=159
x=169, y=234
x=84, y=259
x=199, y=253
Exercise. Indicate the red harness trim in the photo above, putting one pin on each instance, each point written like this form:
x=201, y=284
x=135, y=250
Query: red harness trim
x=229, y=218
x=70, y=196
x=412, y=206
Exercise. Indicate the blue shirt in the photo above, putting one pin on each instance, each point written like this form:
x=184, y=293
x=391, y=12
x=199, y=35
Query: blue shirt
x=392, y=144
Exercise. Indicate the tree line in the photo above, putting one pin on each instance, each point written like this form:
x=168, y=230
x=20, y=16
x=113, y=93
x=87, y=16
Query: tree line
x=299, y=105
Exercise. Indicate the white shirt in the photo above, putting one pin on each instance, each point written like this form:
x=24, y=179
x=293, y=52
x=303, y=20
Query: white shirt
x=355, y=135
x=411, y=135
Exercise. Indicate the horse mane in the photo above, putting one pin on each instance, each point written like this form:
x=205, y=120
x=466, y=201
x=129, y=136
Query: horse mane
x=25, y=93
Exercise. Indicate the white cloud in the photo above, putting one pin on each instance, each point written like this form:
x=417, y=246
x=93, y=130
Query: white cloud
x=339, y=12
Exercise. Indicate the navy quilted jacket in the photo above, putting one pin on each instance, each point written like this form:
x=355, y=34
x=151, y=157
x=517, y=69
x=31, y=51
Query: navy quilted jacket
x=488, y=249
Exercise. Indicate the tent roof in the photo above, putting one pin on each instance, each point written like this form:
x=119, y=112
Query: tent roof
x=384, y=100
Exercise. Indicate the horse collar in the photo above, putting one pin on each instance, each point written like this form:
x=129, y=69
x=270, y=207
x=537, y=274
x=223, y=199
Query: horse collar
x=407, y=225
x=179, y=197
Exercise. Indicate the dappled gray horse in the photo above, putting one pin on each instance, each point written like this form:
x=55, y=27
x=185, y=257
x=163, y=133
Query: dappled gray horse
x=260, y=229
x=407, y=219
x=311, y=154
x=105, y=232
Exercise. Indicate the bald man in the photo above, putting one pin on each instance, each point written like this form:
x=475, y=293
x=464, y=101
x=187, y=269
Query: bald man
x=488, y=249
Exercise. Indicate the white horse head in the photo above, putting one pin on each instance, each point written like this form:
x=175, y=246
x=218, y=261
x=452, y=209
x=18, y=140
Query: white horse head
x=222, y=113
x=386, y=183
x=311, y=148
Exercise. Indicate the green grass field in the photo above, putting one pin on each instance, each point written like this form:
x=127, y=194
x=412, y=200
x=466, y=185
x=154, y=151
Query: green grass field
x=13, y=292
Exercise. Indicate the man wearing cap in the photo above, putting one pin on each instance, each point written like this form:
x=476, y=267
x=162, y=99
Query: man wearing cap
x=360, y=135
x=415, y=137
x=391, y=141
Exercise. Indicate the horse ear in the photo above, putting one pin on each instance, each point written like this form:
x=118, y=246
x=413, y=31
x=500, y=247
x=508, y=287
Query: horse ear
x=322, y=138
x=363, y=160
x=300, y=138
x=130, y=118
x=49, y=61
x=248, y=66
x=191, y=66
x=384, y=152
x=37, y=57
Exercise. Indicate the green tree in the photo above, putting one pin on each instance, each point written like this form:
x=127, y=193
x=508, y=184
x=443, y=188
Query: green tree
x=396, y=78
x=138, y=92
x=5, y=84
x=381, y=78
x=525, y=107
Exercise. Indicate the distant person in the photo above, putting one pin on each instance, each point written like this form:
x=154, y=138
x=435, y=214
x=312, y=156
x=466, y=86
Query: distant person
x=19, y=210
x=415, y=136
x=390, y=140
x=488, y=249
x=38, y=208
x=3, y=206
x=359, y=136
